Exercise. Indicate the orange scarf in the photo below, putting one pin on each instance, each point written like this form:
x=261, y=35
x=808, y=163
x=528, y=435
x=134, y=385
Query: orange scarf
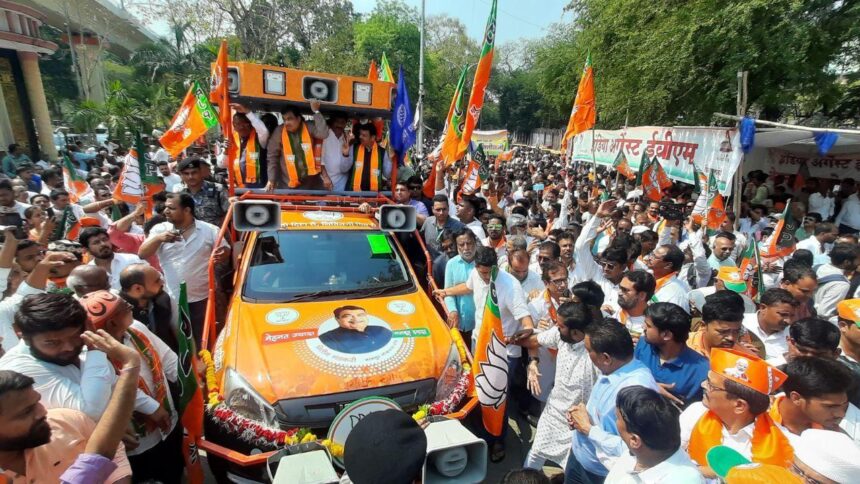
x=553, y=314
x=500, y=244
x=769, y=444
x=151, y=358
x=252, y=160
x=662, y=282
x=359, y=168
x=290, y=158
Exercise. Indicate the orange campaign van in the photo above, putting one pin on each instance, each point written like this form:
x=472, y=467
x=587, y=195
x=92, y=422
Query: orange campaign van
x=326, y=310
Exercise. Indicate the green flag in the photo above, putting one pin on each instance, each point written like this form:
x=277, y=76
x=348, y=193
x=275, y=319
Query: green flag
x=644, y=162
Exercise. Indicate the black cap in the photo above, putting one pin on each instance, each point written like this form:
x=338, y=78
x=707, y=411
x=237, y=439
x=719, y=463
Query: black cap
x=386, y=447
x=190, y=162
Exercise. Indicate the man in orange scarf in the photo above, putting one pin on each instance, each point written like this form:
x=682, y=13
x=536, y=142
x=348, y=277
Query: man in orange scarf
x=291, y=152
x=734, y=412
x=371, y=162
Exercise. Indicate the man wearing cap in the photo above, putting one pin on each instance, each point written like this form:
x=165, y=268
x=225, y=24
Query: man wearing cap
x=814, y=396
x=386, y=446
x=722, y=316
x=770, y=323
x=210, y=199
x=728, y=278
x=734, y=412
x=848, y=320
x=158, y=455
x=826, y=457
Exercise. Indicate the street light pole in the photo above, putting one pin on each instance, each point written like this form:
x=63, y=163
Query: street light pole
x=420, y=135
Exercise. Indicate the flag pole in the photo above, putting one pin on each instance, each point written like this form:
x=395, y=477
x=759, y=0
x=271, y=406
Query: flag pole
x=420, y=134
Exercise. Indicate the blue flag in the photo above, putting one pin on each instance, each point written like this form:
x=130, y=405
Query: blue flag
x=402, y=130
x=825, y=141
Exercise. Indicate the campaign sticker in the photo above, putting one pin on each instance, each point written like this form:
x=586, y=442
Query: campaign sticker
x=321, y=216
x=275, y=337
x=404, y=308
x=282, y=316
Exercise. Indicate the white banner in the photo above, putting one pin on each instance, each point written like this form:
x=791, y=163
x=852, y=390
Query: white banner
x=677, y=149
x=835, y=167
x=494, y=142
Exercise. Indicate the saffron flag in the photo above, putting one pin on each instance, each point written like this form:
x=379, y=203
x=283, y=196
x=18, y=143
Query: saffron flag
x=716, y=206
x=219, y=96
x=782, y=241
x=139, y=179
x=454, y=124
x=68, y=226
x=491, y=364
x=373, y=72
x=385, y=70
x=194, y=118
x=476, y=172
x=482, y=77
x=402, y=130
x=76, y=185
x=801, y=177
x=584, y=113
x=429, y=188
x=621, y=166
x=654, y=181
x=504, y=156
x=190, y=405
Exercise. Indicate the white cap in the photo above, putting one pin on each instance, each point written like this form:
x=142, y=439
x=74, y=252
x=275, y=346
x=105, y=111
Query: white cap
x=832, y=454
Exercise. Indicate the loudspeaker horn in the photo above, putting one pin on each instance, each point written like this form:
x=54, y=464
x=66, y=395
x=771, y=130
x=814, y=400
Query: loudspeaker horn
x=397, y=218
x=256, y=215
x=454, y=455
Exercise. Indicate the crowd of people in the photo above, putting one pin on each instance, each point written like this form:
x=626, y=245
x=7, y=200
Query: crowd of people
x=649, y=355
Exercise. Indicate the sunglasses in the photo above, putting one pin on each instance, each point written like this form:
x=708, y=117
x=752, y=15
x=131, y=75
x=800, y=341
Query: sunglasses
x=494, y=226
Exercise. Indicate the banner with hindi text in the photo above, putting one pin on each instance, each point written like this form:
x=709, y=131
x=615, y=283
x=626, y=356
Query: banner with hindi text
x=494, y=141
x=834, y=167
x=678, y=150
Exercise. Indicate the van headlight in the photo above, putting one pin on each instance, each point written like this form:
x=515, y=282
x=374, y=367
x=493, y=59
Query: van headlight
x=244, y=400
x=450, y=374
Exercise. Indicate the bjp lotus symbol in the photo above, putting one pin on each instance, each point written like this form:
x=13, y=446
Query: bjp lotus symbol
x=492, y=379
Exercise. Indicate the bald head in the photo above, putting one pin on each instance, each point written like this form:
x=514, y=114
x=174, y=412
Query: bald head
x=85, y=279
x=140, y=281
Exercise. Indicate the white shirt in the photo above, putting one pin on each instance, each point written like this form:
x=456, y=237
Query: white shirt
x=747, y=226
x=741, y=441
x=532, y=286
x=775, y=345
x=86, y=389
x=336, y=165
x=539, y=310
x=677, y=469
x=8, y=308
x=161, y=155
x=587, y=269
x=850, y=213
x=187, y=260
x=18, y=208
x=512, y=305
x=117, y=265
x=813, y=245
x=822, y=205
x=697, y=299
x=674, y=291
x=476, y=227
x=850, y=423
x=170, y=368
x=170, y=181
x=828, y=295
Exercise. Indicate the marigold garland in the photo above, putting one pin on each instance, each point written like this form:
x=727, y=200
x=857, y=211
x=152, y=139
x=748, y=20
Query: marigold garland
x=260, y=434
x=214, y=397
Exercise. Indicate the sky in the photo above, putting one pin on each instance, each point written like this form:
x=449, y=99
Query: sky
x=516, y=19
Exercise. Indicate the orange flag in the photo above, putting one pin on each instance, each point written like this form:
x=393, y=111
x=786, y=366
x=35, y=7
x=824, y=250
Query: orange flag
x=429, y=188
x=373, y=73
x=194, y=118
x=584, y=113
x=453, y=131
x=219, y=96
x=472, y=180
x=654, y=181
x=482, y=77
x=491, y=364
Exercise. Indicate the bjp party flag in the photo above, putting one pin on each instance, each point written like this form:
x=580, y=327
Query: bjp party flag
x=194, y=118
x=491, y=364
x=482, y=78
x=139, y=179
